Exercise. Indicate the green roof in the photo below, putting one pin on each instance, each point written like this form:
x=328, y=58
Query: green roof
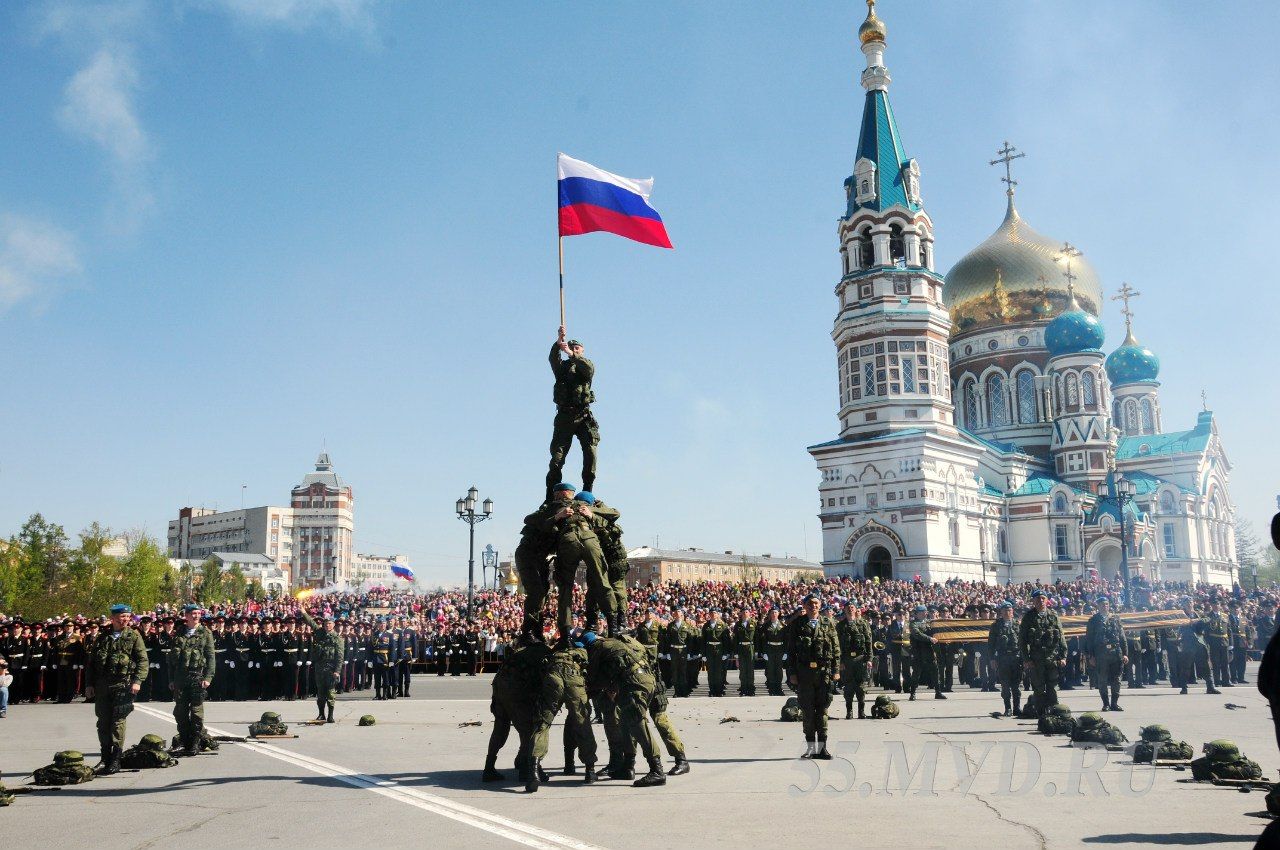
x=879, y=142
x=882, y=435
x=1040, y=483
x=1146, y=483
x=1194, y=441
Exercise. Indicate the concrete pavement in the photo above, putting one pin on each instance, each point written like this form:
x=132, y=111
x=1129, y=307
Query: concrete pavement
x=972, y=780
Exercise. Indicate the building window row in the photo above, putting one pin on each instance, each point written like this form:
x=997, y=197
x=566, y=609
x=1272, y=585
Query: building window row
x=891, y=367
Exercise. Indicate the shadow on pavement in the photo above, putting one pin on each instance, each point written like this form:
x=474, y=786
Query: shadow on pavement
x=1182, y=839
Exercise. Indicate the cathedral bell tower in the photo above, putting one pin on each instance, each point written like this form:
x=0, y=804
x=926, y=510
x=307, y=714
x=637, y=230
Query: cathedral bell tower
x=892, y=329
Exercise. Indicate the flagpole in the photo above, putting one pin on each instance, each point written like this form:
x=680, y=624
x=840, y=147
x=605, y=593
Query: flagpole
x=561, y=241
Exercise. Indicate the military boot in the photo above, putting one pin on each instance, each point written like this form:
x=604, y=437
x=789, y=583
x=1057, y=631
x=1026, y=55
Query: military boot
x=1007, y=704
x=626, y=769
x=1106, y=704
x=1209, y=688
x=319, y=709
x=655, y=776
x=589, y=774
x=491, y=773
x=1115, y=700
x=542, y=774
x=103, y=767
x=569, y=767
x=113, y=765
x=862, y=709
x=848, y=711
x=821, y=752
x=329, y=719
x=681, y=767
x=1017, y=705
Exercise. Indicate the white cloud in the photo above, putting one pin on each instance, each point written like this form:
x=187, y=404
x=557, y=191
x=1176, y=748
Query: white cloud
x=34, y=258
x=297, y=14
x=99, y=104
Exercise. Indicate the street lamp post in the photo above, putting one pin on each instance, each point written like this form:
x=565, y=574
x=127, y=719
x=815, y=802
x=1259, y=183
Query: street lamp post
x=466, y=510
x=1120, y=492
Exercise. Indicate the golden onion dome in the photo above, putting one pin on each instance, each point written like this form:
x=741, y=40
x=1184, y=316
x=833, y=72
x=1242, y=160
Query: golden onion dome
x=872, y=28
x=1015, y=277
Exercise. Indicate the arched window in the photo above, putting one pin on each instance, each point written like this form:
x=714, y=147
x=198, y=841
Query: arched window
x=1073, y=390
x=1059, y=504
x=1026, y=397
x=1090, y=391
x=997, y=405
x=866, y=250
x=1213, y=528
x=897, y=246
x=955, y=535
x=970, y=406
x=1148, y=417
x=1166, y=502
x=1116, y=414
x=865, y=187
x=1130, y=416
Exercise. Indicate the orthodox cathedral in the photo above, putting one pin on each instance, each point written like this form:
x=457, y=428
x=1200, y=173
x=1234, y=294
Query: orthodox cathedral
x=985, y=433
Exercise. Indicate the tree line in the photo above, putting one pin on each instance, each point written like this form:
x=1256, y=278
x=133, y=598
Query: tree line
x=43, y=573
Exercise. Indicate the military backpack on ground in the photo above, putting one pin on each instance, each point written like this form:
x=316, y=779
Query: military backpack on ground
x=366, y=720
x=147, y=753
x=1031, y=710
x=1144, y=752
x=1223, y=760
x=1092, y=729
x=68, y=768
x=268, y=724
x=206, y=744
x=791, y=710
x=884, y=708
x=1056, y=721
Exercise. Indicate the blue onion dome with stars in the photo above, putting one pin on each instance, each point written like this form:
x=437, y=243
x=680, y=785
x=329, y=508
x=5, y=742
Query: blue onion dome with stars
x=1074, y=331
x=1131, y=363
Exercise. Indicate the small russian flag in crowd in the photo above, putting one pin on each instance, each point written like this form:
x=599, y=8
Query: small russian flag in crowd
x=401, y=571
x=592, y=199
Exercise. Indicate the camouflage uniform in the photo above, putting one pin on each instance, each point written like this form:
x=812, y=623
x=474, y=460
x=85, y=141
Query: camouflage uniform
x=813, y=659
x=855, y=653
x=515, y=687
x=576, y=542
x=191, y=663
x=573, y=398
x=1042, y=646
x=619, y=668
x=117, y=661
x=532, y=552
x=1105, y=643
x=1002, y=645
x=327, y=651
x=563, y=684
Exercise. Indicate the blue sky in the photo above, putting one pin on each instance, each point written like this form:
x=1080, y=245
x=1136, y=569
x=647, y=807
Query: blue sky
x=235, y=231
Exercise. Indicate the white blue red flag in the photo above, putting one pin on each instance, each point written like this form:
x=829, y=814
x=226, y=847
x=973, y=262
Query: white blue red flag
x=401, y=571
x=592, y=199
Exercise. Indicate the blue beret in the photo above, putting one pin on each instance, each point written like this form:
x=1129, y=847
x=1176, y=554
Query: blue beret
x=1102, y=598
x=578, y=644
x=812, y=597
x=588, y=638
x=1005, y=604
x=586, y=496
x=120, y=608
x=563, y=485
x=1037, y=594
x=187, y=609
x=920, y=608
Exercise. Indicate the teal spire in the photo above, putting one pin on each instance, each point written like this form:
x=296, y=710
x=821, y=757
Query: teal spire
x=883, y=175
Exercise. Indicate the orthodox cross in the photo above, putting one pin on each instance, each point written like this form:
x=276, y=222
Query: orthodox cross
x=1069, y=252
x=1007, y=155
x=1204, y=403
x=1127, y=292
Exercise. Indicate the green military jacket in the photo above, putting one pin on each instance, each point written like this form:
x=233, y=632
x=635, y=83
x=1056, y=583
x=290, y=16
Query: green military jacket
x=744, y=637
x=617, y=664
x=609, y=532
x=678, y=634
x=1216, y=632
x=120, y=660
x=573, y=525
x=1040, y=637
x=573, y=380
x=812, y=649
x=772, y=637
x=715, y=639
x=327, y=648
x=855, y=640
x=1191, y=634
x=921, y=640
x=1104, y=637
x=193, y=658
x=535, y=539
x=1002, y=639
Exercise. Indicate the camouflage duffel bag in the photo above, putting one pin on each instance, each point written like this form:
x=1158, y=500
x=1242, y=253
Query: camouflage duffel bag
x=268, y=724
x=791, y=711
x=884, y=708
x=1205, y=769
x=1057, y=721
x=1144, y=752
x=68, y=768
x=1092, y=729
x=366, y=720
x=147, y=753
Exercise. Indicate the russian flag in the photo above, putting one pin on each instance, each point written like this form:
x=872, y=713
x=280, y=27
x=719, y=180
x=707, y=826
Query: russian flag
x=401, y=571
x=592, y=199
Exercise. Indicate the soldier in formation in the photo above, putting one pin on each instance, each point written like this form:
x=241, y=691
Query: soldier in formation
x=192, y=665
x=1006, y=656
x=1106, y=647
x=116, y=669
x=854, y=634
x=1043, y=649
x=813, y=664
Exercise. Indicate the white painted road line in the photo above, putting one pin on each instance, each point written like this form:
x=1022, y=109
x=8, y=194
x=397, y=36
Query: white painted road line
x=514, y=830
